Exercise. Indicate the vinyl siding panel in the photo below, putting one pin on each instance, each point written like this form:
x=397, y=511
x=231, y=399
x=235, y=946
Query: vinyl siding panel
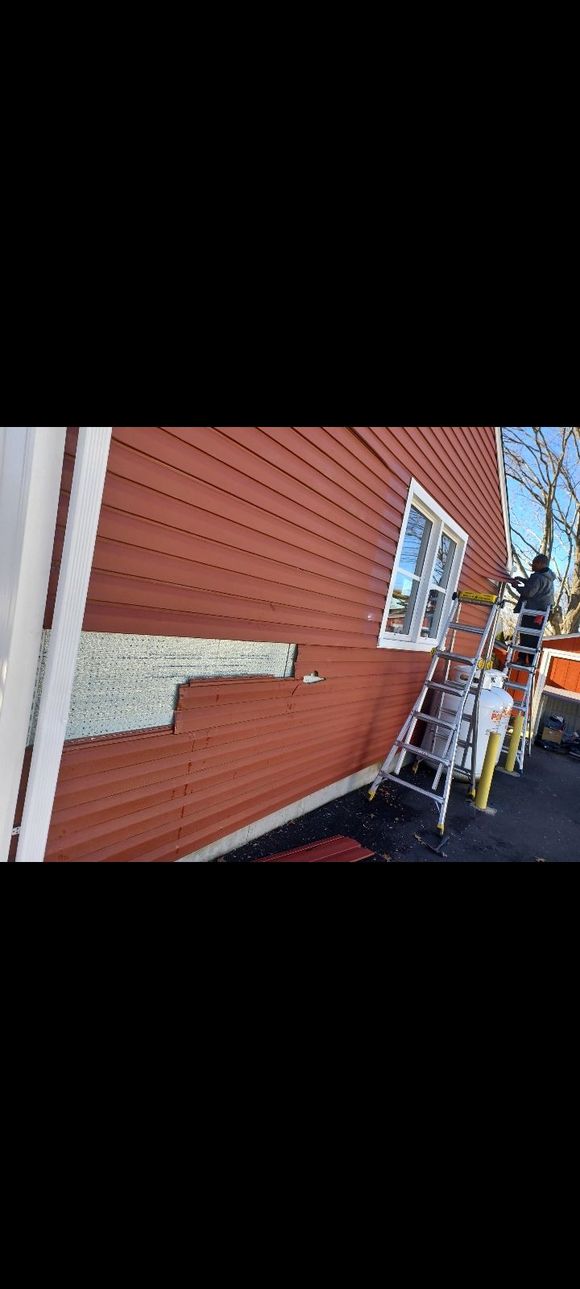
x=569, y=644
x=284, y=534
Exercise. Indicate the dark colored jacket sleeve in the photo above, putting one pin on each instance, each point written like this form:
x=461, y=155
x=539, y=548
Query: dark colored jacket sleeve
x=533, y=586
x=524, y=591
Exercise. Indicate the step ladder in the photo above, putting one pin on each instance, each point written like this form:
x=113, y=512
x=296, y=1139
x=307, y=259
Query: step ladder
x=523, y=694
x=448, y=729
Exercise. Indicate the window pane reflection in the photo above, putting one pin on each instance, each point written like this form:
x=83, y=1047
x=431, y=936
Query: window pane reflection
x=433, y=615
x=417, y=537
x=444, y=561
x=402, y=605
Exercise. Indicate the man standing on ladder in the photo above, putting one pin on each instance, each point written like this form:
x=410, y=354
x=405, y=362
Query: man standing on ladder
x=538, y=595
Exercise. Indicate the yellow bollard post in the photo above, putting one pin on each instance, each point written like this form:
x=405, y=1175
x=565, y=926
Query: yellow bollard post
x=515, y=743
x=487, y=773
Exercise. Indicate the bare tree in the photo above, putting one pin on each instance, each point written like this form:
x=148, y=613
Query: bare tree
x=545, y=467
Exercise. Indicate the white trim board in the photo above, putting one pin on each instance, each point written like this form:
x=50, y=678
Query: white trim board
x=31, y=458
x=566, y=695
x=566, y=654
x=226, y=845
x=81, y=531
x=499, y=440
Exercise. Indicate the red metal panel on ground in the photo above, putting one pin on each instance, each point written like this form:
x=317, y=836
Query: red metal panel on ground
x=258, y=533
x=334, y=850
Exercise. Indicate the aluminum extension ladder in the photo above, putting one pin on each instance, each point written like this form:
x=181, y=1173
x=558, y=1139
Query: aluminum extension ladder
x=526, y=691
x=462, y=689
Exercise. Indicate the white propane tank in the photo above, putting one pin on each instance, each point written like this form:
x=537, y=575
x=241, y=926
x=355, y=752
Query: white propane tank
x=495, y=708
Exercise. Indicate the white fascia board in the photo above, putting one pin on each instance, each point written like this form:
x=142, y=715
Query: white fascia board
x=503, y=485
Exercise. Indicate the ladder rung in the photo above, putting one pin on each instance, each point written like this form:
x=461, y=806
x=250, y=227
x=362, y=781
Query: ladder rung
x=516, y=666
x=421, y=754
x=528, y=631
x=455, y=657
x=520, y=707
x=460, y=689
x=450, y=687
x=490, y=601
x=473, y=631
x=394, y=778
x=434, y=720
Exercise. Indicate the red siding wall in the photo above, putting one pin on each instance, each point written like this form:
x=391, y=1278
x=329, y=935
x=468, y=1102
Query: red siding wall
x=565, y=674
x=570, y=644
x=263, y=533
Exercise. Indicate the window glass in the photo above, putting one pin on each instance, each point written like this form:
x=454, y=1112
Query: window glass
x=433, y=615
x=403, y=605
x=426, y=572
x=444, y=560
x=416, y=542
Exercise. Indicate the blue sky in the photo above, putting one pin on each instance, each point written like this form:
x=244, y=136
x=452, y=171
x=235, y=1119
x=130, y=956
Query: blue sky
x=526, y=515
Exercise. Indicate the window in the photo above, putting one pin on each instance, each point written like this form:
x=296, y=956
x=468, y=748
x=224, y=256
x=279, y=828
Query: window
x=425, y=576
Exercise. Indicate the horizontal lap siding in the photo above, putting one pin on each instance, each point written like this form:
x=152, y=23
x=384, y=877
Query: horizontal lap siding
x=258, y=533
x=234, y=758
x=569, y=646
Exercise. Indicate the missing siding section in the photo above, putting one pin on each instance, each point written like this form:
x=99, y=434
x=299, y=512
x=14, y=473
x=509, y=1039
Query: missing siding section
x=130, y=682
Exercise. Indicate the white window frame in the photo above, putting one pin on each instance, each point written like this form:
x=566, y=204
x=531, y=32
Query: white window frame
x=442, y=524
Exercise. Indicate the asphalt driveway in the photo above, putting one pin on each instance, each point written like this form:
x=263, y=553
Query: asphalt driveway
x=534, y=818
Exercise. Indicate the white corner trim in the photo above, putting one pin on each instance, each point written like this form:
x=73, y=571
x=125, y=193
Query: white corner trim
x=31, y=460
x=244, y=836
x=81, y=532
x=503, y=485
